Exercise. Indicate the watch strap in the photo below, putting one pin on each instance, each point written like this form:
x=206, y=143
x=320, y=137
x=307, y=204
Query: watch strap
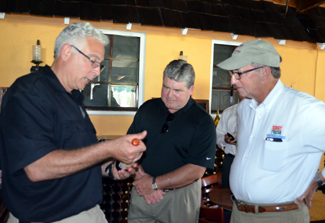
x=109, y=169
x=154, y=185
x=318, y=180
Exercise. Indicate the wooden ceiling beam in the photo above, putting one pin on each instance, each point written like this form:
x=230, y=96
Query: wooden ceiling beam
x=305, y=5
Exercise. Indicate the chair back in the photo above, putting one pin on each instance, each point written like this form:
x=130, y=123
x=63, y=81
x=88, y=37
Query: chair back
x=214, y=179
x=210, y=183
x=211, y=215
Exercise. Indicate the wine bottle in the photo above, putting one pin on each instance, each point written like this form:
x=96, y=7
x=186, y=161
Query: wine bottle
x=216, y=120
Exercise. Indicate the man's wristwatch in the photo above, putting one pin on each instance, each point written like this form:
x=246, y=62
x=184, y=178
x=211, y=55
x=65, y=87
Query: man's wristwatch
x=318, y=180
x=154, y=185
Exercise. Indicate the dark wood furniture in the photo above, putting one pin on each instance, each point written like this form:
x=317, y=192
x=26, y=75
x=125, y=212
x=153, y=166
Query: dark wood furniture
x=222, y=198
x=212, y=215
x=210, y=183
x=208, y=211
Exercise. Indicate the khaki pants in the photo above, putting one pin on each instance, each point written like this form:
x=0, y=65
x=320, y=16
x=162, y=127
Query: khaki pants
x=93, y=215
x=300, y=215
x=178, y=206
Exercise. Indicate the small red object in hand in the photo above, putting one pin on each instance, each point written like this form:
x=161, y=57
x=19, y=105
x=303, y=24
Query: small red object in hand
x=135, y=141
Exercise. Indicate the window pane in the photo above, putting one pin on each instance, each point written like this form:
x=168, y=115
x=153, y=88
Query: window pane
x=126, y=75
x=96, y=95
x=104, y=75
x=126, y=47
x=221, y=78
x=223, y=93
x=125, y=96
x=108, y=47
x=117, y=85
x=222, y=52
x=221, y=99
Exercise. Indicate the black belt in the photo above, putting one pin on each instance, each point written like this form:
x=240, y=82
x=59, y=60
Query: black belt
x=229, y=154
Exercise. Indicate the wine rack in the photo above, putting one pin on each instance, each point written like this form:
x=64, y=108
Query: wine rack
x=116, y=199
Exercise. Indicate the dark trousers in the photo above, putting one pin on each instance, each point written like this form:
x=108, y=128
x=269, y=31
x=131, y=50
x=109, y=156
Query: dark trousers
x=227, y=161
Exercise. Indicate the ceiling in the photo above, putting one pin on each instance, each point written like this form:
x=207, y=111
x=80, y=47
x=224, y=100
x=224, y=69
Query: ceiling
x=300, y=5
x=298, y=20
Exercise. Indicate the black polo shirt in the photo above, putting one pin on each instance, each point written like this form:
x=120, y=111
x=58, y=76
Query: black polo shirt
x=37, y=117
x=190, y=139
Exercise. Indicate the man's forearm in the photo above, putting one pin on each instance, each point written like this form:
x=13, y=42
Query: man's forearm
x=180, y=177
x=61, y=163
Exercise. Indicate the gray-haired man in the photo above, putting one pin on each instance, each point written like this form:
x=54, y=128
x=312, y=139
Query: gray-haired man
x=50, y=158
x=274, y=174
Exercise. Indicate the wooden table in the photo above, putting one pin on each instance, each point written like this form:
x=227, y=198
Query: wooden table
x=221, y=197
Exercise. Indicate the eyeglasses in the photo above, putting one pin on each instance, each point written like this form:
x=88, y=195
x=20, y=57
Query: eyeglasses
x=94, y=64
x=238, y=74
x=170, y=118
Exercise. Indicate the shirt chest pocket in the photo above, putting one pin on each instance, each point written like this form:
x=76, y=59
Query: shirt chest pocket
x=274, y=156
x=77, y=134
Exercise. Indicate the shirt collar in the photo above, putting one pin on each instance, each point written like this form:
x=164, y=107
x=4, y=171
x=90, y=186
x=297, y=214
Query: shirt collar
x=184, y=109
x=271, y=97
x=54, y=82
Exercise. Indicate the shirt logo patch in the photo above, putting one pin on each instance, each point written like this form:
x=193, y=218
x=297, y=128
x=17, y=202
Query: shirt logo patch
x=276, y=130
x=207, y=158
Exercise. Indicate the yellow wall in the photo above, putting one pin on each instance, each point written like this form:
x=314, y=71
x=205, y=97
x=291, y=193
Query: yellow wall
x=301, y=67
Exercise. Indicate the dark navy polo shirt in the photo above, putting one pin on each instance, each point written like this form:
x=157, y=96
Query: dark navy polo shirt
x=190, y=139
x=37, y=117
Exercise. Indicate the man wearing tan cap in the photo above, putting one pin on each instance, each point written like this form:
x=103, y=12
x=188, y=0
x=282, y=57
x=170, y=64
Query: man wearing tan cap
x=274, y=174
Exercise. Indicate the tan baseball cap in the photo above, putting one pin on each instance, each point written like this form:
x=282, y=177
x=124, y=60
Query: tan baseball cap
x=255, y=51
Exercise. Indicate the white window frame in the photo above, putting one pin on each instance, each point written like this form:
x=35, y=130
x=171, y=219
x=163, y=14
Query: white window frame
x=221, y=42
x=142, y=37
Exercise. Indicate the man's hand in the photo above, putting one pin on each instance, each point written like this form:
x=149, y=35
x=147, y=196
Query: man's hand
x=229, y=141
x=124, y=173
x=109, y=169
x=154, y=197
x=305, y=198
x=123, y=150
x=144, y=184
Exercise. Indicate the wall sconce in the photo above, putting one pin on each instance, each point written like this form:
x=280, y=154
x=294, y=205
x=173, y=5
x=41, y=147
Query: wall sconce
x=37, y=56
x=182, y=57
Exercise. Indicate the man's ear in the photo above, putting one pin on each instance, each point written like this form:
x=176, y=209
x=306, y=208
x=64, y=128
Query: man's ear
x=266, y=72
x=191, y=89
x=66, y=52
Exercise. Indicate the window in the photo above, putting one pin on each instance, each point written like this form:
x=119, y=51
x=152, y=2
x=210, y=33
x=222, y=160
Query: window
x=223, y=94
x=119, y=89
